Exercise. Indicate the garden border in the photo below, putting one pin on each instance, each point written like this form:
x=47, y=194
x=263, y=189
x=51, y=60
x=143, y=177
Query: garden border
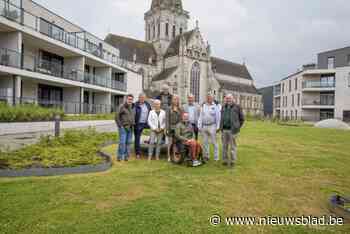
x=84, y=169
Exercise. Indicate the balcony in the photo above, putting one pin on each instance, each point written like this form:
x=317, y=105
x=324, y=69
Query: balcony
x=33, y=63
x=318, y=85
x=82, y=40
x=319, y=104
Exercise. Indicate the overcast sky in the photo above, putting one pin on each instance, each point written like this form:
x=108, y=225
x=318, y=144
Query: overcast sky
x=274, y=37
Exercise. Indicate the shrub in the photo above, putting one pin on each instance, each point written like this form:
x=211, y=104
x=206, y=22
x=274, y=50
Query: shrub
x=27, y=112
x=74, y=148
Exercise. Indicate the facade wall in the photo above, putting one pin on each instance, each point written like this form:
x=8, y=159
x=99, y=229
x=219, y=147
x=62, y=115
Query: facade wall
x=341, y=57
x=224, y=77
x=342, y=93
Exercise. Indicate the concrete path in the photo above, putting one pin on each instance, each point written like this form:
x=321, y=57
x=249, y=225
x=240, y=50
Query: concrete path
x=17, y=135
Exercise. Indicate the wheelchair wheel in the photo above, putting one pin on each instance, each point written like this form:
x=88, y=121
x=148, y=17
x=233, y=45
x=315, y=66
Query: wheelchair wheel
x=175, y=156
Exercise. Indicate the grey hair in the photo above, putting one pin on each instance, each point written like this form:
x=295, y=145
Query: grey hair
x=142, y=95
x=157, y=102
x=229, y=95
x=190, y=95
x=165, y=86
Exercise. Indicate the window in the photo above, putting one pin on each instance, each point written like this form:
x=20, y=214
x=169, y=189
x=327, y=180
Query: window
x=296, y=84
x=283, y=88
x=331, y=61
x=296, y=114
x=154, y=31
x=51, y=30
x=195, y=80
x=327, y=81
x=158, y=30
x=348, y=59
x=167, y=29
x=290, y=85
x=174, y=31
x=293, y=100
x=298, y=99
x=181, y=30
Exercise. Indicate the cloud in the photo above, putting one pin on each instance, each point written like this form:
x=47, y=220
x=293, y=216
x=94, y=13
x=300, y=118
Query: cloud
x=275, y=37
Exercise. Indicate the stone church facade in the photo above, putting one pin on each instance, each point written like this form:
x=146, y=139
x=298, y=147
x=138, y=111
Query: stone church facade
x=174, y=55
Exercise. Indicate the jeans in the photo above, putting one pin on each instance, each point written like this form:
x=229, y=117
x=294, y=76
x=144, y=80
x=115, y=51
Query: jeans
x=209, y=132
x=155, y=142
x=138, y=133
x=125, y=138
x=229, y=143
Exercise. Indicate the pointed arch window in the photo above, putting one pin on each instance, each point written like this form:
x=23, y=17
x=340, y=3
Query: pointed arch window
x=195, y=80
x=167, y=29
x=174, y=31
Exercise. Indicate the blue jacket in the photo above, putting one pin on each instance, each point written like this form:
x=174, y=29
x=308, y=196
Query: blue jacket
x=138, y=111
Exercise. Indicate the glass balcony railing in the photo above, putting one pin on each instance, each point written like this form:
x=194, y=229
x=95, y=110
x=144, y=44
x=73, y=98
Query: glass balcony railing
x=81, y=40
x=30, y=62
x=329, y=102
x=318, y=84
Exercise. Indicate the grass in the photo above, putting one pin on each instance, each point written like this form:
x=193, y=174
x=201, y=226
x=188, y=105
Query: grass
x=74, y=148
x=282, y=171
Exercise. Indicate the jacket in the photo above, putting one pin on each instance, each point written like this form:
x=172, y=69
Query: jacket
x=153, y=119
x=196, y=113
x=237, y=118
x=172, y=119
x=138, y=111
x=125, y=116
x=184, y=131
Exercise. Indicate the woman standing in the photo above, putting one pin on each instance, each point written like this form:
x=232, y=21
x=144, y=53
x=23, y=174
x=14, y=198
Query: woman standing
x=173, y=118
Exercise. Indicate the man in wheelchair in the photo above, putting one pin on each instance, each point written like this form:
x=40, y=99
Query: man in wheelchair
x=185, y=148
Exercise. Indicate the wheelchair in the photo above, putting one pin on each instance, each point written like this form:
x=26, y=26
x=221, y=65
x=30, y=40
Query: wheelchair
x=182, y=156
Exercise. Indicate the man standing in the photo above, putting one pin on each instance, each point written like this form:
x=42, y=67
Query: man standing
x=209, y=124
x=165, y=98
x=193, y=110
x=125, y=119
x=156, y=121
x=142, y=109
x=231, y=122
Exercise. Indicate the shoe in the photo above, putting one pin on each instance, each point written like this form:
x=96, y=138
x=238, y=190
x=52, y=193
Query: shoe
x=169, y=160
x=126, y=160
x=224, y=163
x=118, y=160
x=232, y=165
x=138, y=156
x=206, y=159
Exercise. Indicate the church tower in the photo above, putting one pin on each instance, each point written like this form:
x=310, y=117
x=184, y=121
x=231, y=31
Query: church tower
x=163, y=22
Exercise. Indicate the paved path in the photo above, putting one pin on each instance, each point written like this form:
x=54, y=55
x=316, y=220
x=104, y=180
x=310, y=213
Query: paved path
x=16, y=135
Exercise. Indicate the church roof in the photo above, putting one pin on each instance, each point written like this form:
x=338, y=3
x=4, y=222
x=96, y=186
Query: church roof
x=174, y=46
x=237, y=87
x=129, y=46
x=164, y=74
x=229, y=68
x=167, y=4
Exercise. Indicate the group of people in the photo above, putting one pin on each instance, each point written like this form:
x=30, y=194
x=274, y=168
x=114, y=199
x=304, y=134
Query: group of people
x=170, y=123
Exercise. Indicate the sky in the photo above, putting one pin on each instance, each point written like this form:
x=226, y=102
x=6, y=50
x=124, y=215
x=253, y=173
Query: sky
x=273, y=37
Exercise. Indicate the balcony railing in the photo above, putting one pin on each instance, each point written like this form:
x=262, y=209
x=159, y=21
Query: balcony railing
x=33, y=63
x=318, y=84
x=81, y=40
x=318, y=103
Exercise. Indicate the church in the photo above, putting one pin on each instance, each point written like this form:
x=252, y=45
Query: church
x=175, y=55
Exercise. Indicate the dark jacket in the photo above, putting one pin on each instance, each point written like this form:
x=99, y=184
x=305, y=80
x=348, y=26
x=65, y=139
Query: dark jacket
x=125, y=116
x=138, y=111
x=169, y=97
x=237, y=118
x=172, y=119
x=184, y=131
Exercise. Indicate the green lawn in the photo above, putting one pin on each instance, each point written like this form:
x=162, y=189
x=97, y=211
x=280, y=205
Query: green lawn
x=282, y=171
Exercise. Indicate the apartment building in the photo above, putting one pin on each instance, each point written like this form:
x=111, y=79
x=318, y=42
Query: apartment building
x=317, y=91
x=47, y=60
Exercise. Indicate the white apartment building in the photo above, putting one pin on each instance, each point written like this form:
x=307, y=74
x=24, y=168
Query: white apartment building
x=47, y=60
x=316, y=92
